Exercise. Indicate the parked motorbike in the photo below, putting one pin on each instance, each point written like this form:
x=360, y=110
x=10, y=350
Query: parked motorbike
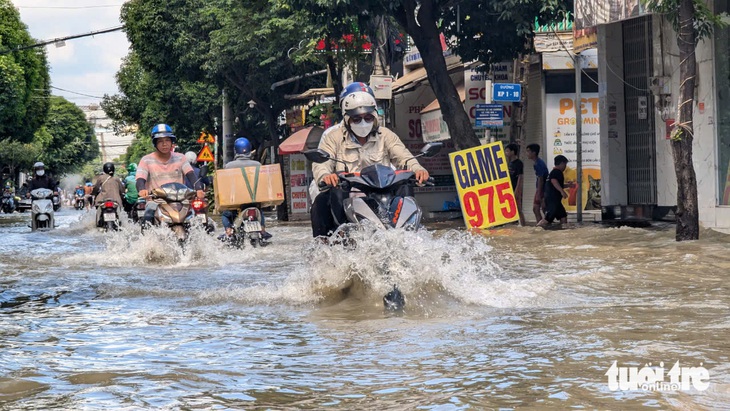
x=175, y=208
x=8, y=203
x=79, y=202
x=109, y=216
x=381, y=196
x=42, y=217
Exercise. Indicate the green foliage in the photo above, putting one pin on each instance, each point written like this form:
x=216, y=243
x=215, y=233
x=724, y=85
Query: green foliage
x=18, y=155
x=493, y=31
x=704, y=19
x=24, y=79
x=66, y=140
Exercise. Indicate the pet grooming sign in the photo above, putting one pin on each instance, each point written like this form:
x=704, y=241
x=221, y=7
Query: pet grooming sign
x=483, y=184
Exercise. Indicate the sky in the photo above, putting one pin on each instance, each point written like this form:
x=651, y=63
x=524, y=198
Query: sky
x=86, y=65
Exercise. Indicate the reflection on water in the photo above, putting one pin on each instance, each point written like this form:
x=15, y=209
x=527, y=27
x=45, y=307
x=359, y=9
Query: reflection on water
x=509, y=318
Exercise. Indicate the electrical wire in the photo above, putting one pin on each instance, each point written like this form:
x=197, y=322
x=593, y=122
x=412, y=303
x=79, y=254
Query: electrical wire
x=75, y=92
x=70, y=7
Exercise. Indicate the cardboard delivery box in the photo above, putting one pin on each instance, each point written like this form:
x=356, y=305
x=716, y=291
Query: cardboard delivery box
x=257, y=184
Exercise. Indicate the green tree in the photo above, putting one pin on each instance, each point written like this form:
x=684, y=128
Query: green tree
x=24, y=79
x=488, y=30
x=692, y=20
x=17, y=155
x=66, y=140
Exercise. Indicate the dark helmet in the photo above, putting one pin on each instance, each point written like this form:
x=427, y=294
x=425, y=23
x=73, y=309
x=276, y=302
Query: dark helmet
x=242, y=146
x=108, y=168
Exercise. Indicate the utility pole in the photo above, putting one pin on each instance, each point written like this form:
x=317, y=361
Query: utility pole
x=579, y=137
x=227, y=125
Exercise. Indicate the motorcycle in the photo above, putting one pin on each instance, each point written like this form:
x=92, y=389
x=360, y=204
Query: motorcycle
x=42, y=217
x=200, y=207
x=382, y=197
x=109, y=216
x=56, y=200
x=137, y=211
x=8, y=203
x=175, y=208
x=79, y=202
x=248, y=227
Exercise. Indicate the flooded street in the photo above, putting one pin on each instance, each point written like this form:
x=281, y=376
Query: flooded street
x=516, y=318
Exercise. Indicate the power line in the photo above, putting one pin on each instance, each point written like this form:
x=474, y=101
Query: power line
x=75, y=36
x=70, y=7
x=75, y=92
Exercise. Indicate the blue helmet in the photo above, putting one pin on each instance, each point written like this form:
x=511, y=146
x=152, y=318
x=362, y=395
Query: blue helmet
x=162, y=130
x=242, y=146
x=356, y=86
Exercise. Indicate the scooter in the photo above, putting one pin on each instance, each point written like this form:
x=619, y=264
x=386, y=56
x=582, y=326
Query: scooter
x=175, y=209
x=200, y=207
x=137, y=211
x=79, y=202
x=383, y=197
x=248, y=227
x=42, y=217
x=109, y=217
x=56, y=200
x=8, y=203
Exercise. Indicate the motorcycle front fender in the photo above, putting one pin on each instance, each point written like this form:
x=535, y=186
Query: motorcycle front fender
x=356, y=210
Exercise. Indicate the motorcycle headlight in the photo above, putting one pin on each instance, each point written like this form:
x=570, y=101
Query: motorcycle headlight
x=36, y=208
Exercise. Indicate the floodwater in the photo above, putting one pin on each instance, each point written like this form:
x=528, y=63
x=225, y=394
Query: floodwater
x=513, y=318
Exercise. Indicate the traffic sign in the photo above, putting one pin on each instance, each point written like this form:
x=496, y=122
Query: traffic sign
x=489, y=115
x=506, y=92
x=205, y=155
x=205, y=137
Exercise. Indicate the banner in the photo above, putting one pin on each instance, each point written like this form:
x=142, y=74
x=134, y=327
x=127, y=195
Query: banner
x=298, y=183
x=561, y=139
x=482, y=180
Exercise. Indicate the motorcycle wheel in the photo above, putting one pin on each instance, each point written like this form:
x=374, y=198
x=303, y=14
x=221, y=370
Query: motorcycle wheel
x=111, y=226
x=181, y=233
x=262, y=242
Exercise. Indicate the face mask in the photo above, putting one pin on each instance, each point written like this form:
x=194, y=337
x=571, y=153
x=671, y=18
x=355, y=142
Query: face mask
x=40, y=173
x=362, y=129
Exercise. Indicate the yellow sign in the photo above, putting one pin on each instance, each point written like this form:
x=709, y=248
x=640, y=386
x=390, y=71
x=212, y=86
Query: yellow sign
x=205, y=155
x=484, y=187
x=206, y=137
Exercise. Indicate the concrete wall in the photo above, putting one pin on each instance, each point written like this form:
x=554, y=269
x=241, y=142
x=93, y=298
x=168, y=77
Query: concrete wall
x=613, y=134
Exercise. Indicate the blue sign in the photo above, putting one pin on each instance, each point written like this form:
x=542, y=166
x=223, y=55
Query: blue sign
x=489, y=115
x=506, y=92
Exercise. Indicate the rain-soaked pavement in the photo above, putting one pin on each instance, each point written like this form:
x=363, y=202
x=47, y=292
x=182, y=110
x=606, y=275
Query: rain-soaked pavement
x=511, y=318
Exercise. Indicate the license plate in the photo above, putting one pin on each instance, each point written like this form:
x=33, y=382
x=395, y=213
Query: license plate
x=110, y=217
x=251, y=226
x=202, y=218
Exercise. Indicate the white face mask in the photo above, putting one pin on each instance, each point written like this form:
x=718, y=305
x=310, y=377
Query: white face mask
x=40, y=173
x=363, y=128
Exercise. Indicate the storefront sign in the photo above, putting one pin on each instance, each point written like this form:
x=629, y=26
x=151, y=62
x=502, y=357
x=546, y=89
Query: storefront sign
x=483, y=186
x=298, y=183
x=561, y=140
x=555, y=41
x=434, y=126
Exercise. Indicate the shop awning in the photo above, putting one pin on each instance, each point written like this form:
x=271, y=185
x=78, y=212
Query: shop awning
x=304, y=139
x=312, y=93
x=434, y=105
x=419, y=75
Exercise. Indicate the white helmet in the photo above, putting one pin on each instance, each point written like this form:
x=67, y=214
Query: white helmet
x=191, y=157
x=359, y=102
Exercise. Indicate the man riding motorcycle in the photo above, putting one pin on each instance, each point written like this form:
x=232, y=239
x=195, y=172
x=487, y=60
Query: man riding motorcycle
x=41, y=179
x=359, y=140
x=242, y=147
x=131, y=195
x=161, y=167
x=107, y=187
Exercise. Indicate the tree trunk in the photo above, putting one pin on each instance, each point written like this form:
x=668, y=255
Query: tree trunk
x=419, y=19
x=688, y=226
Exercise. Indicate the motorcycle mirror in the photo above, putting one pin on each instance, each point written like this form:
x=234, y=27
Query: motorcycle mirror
x=431, y=149
x=316, y=155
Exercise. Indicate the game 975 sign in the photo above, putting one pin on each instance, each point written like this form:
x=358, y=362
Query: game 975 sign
x=482, y=181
